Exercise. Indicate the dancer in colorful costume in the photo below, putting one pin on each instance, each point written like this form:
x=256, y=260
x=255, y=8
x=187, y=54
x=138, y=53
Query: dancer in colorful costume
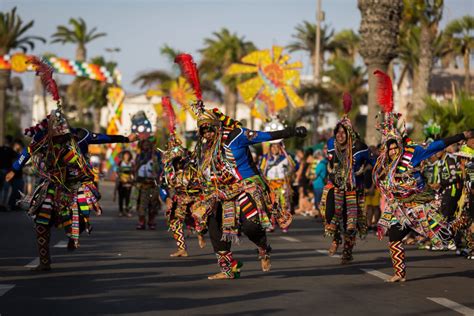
x=464, y=223
x=277, y=167
x=147, y=175
x=66, y=193
x=180, y=174
x=410, y=202
x=234, y=191
x=343, y=197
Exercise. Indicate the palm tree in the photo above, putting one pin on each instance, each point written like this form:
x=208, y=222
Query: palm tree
x=346, y=44
x=305, y=40
x=219, y=52
x=426, y=14
x=91, y=94
x=78, y=34
x=459, y=34
x=379, y=30
x=409, y=57
x=12, y=36
x=149, y=78
x=344, y=76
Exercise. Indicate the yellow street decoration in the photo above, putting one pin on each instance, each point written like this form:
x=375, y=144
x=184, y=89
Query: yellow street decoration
x=181, y=97
x=274, y=82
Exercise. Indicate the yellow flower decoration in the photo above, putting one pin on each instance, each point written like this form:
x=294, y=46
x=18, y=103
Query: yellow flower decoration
x=181, y=97
x=275, y=81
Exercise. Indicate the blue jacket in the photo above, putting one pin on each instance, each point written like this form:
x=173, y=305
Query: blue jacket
x=360, y=156
x=84, y=139
x=237, y=152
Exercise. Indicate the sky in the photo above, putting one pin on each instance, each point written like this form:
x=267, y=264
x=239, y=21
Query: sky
x=140, y=27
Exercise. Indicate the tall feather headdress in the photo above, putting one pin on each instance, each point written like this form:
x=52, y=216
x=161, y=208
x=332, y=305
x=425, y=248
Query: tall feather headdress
x=56, y=121
x=169, y=112
x=390, y=119
x=45, y=71
x=190, y=72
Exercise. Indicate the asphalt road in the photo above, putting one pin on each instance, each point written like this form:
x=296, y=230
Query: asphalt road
x=119, y=270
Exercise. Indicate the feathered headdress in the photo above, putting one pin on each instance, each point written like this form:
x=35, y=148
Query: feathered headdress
x=190, y=72
x=45, y=71
x=169, y=113
x=56, y=121
x=389, y=125
x=174, y=148
x=205, y=117
x=345, y=121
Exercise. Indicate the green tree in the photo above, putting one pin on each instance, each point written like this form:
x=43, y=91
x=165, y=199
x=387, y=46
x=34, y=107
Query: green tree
x=305, y=40
x=220, y=51
x=379, y=29
x=459, y=34
x=454, y=116
x=90, y=94
x=77, y=34
x=344, y=76
x=426, y=14
x=12, y=36
x=345, y=43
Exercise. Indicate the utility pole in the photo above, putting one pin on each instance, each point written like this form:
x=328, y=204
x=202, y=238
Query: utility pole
x=317, y=64
x=317, y=67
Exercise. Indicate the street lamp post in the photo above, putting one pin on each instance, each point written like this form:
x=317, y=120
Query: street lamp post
x=317, y=67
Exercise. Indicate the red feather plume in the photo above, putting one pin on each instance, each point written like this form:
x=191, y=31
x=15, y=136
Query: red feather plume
x=169, y=111
x=45, y=71
x=384, y=91
x=189, y=70
x=347, y=102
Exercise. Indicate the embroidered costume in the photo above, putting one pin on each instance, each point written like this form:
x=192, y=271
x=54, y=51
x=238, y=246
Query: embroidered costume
x=66, y=194
x=277, y=167
x=180, y=176
x=234, y=192
x=147, y=174
x=410, y=202
x=343, y=196
x=464, y=222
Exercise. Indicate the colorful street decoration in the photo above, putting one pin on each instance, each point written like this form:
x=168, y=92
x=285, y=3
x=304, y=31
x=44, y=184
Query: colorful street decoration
x=181, y=96
x=115, y=96
x=17, y=63
x=274, y=83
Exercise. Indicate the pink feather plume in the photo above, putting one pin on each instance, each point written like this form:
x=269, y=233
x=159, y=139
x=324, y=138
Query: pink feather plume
x=384, y=91
x=169, y=112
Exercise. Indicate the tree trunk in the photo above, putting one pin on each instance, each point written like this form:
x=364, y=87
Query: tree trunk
x=379, y=29
x=97, y=115
x=233, y=99
x=467, y=74
x=230, y=101
x=423, y=70
x=227, y=105
x=372, y=136
x=4, y=80
x=81, y=53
